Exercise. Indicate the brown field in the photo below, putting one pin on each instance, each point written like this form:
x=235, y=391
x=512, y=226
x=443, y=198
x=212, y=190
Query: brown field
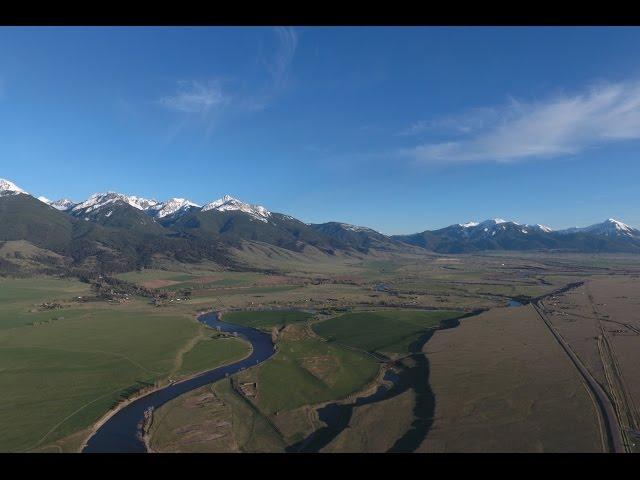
x=213, y=418
x=601, y=322
x=323, y=367
x=503, y=384
x=158, y=283
x=374, y=428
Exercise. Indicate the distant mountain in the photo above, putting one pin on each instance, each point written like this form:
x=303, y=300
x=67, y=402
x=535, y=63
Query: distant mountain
x=232, y=221
x=495, y=234
x=115, y=232
x=63, y=204
x=361, y=239
x=608, y=228
x=108, y=232
x=230, y=204
x=23, y=217
x=235, y=226
x=498, y=234
x=119, y=211
x=9, y=188
x=608, y=236
x=173, y=207
x=101, y=201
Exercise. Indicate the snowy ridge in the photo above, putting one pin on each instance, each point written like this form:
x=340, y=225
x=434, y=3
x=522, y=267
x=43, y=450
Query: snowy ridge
x=494, y=226
x=10, y=188
x=356, y=228
x=493, y=222
x=610, y=228
x=228, y=203
x=177, y=206
x=63, y=204
x=541, y=228
x=172, y=207
x=99, y=200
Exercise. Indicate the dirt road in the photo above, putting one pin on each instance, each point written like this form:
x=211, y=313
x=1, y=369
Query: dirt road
x=613, y=435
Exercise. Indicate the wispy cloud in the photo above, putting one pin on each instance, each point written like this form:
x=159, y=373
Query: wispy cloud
x=562, y=125
x=280, y=63
x=195, y=97
x=213, y=100
x=277, y=65
x=470, y=121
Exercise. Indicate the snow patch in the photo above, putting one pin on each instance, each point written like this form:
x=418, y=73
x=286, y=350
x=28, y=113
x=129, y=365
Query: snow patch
x=355, y=228
x=10, y=188
x=609, y=228
x=228, y=203
x=100, y=200
x=173, y=206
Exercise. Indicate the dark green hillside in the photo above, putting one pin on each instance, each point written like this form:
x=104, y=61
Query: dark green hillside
x=125, y=240
x=232, y=227
x=427, y=239
x=360, y=239
x=584, y=242
x=126, y=217
x=122, y=249
x=22, y=217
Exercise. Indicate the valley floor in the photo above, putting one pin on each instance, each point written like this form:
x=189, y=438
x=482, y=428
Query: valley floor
x=497, y=382
x=502, y=384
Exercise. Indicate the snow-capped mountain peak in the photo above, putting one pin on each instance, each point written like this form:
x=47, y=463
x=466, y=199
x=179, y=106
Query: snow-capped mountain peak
x=63, y=204
x=356, y=228
x=495, y=226
x=228, y=203
x=540, y=228
x=495, y=221
x=618, y=225
x=469, y=224
x=609, y=228
x=9, y=188
x=99, y=200
x=172, y=206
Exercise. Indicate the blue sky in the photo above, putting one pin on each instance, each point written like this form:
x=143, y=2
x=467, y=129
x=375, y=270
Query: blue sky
x=399, y=129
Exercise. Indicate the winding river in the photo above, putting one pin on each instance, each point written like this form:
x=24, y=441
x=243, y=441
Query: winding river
x=121, y=432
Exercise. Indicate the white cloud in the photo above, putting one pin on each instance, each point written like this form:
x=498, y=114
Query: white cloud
x=195, y=97
x=471, y=121
x=417, y=128
x=277, y=66
x=563, y=125
x=288, y=43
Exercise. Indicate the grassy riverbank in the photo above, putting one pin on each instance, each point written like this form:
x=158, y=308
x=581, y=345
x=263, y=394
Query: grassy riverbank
x=64, y=365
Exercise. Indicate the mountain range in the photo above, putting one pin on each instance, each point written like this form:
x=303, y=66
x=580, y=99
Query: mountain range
x=497, y=234
x=114, y=232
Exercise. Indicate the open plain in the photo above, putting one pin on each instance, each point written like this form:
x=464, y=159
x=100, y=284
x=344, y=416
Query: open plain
x=497, y=382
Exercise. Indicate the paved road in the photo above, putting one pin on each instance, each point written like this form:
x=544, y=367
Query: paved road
x=614, y=438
